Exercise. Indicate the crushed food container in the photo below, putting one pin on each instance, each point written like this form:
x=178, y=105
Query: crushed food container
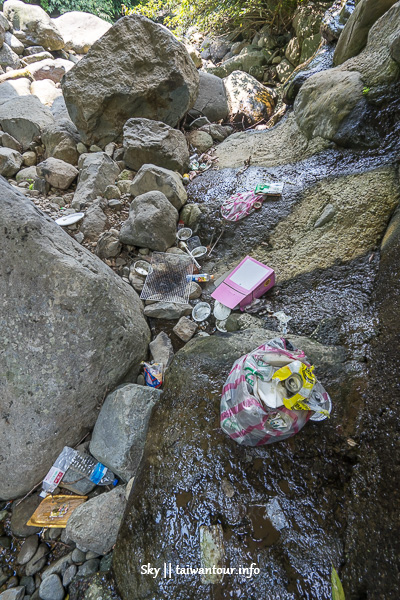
x=55, y=511
x=249, y=280
x=271, y=188
x=184, y=234
x=142, y=268
x=201, y=312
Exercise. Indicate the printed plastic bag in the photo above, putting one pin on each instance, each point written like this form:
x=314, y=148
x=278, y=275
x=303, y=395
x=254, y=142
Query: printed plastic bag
x=253, y=412
x=153, y=374
x=239, y=205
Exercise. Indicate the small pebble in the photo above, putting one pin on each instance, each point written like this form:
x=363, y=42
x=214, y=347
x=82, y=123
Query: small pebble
x=51, y=588
x=69, y=575
x=78, y=556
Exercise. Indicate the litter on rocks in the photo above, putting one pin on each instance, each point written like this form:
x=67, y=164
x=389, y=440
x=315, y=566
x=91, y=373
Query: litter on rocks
x=200, y=277
x=240, y=205
x=249, y=280
x=55, y=511
x=193, y=242
x=201, y=311
x=184, y=247
x=270, y=188
x=70, y=219
x=167, y=282
x=153, y=374
x=283, y=319
x=221, y=312
x=142, y=268
x=83, y=464
x=261, y=386
x=184, y=234
x=199, y=251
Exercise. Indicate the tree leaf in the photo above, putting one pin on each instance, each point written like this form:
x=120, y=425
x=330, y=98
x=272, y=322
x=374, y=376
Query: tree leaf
x=337, y=588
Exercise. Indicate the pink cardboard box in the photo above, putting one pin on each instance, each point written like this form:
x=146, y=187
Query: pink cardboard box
x=249, y=280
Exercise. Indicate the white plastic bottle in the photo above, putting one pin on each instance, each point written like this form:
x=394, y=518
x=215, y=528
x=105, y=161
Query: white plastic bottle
x=92, y=469
x=57, y=471
x=81, y=463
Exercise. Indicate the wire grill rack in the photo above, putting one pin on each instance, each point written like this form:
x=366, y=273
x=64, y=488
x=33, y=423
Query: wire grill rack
x=167, y=281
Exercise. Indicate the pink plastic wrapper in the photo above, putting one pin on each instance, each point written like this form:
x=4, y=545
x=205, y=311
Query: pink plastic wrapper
x=240, y=205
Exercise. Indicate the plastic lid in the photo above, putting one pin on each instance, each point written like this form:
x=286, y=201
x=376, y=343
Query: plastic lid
x=115, y=482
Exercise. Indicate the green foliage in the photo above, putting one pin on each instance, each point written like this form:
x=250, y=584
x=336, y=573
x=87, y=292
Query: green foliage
x=105, y=9
x=337, y=588
x=219, y=15
x=366, y=90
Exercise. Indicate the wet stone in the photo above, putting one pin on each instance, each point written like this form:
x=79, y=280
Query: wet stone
x=59, y=566
x=69, y=575
x=5, y=542
x=21, y=514
x=13, y=594
x=106, y=562
x=29, y=584
x=4, y=576
x=38, y=561
x=89, y=567
x=28, y=549
x=78, y=556
x=12, y=582
x=51, y=588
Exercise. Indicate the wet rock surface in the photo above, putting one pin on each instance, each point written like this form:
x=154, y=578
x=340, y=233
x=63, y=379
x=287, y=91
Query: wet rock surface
x=190, y=469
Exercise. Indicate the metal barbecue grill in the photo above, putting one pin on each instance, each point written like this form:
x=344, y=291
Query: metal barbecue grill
x=167, y=281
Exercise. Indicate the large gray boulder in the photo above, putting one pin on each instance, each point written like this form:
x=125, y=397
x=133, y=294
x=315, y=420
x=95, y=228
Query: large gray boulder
x=94, y=525
x=211, y=101
x=120, y=432
x=24, y=118
x=33, y=24
x=57, y=173
x=71, y=330
x=10, y=162
x=150, y=178
x=248, y=98
x=14, y=43
x=355, y=33
x=60, y=140
x=154, y=142
x=97, y=171
x=340, y=104
x=151, y=222
x=80, y=30
x=326, y=100
x=8, y=58
x=149, y=75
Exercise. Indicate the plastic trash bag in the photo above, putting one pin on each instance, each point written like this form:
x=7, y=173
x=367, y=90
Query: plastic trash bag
x=153, y=374
x=253, y=410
